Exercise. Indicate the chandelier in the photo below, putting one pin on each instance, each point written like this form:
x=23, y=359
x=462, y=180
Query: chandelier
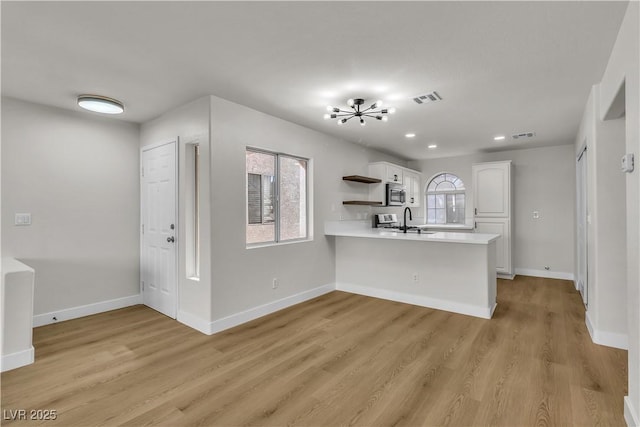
x=357, y=110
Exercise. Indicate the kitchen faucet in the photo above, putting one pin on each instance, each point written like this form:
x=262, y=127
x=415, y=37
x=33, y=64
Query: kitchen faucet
x=405, y=218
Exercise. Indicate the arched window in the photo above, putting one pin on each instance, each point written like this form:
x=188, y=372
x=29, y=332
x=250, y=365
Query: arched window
x=445, y=200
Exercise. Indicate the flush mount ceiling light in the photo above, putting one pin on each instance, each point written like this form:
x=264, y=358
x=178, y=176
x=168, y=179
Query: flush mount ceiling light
x=498, y=138
x=100, y=104
x=432, y=146
x=409, y=135
x=356, y=104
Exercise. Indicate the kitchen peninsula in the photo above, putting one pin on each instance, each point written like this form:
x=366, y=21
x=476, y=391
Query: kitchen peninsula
x=444, y=270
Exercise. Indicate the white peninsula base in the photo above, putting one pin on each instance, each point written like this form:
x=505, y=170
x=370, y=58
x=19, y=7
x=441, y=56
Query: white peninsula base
x=447, y=271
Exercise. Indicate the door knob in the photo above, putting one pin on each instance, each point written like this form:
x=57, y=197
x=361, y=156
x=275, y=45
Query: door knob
x=170, y=239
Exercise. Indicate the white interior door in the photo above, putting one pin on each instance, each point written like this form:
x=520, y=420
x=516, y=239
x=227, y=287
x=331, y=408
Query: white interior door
x=581, y=180
x=159, y=227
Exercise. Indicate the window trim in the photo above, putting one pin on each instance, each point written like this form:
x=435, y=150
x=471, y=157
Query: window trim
x=192, y=210
x=196, y=210
x=308, y=237
x=428, y=193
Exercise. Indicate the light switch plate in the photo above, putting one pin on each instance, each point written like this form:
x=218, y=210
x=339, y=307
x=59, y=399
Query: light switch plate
x=23, y=219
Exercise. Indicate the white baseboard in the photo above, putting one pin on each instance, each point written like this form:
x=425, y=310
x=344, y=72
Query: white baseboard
x=587, y=321
x=85, y=310
x=236, y=319
x=438, y=304
x=630, y=414
x=17, y=359
x=545, y=273
x=609, y=339
x=195, y=322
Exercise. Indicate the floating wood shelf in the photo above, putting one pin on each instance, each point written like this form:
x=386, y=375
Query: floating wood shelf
x=362, y=202
x=363, y=179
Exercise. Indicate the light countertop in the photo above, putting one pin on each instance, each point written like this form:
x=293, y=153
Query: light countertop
x=360, y=229
x=446, y=226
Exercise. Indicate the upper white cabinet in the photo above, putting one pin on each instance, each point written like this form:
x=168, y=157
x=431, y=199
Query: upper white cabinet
x=388, y=172
x=492, y=189
x=412, y=182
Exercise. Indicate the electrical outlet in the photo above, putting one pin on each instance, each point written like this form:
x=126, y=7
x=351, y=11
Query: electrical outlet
x=274, y=284
x=415, y=277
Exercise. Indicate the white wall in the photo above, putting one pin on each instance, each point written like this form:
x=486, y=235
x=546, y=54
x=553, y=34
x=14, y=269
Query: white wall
x=544, y=180
x=189, y=124
x=242, y=277
x=606, y=208
x=77, y=174
x=234, y=279
x=624, y=67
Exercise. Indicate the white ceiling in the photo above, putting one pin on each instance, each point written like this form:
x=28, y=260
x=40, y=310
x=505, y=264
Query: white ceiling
x=501, y=67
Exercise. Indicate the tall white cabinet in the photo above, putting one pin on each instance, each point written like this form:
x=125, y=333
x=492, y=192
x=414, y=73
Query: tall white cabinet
x=493, y=211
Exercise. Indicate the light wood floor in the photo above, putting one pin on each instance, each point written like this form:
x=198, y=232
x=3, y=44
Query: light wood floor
x=339, y=359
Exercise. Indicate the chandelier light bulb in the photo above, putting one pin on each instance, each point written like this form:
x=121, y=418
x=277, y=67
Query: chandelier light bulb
x=392, y=110
x=362, y=122
x=385, y=118
x=327, y=116
x=350, y=102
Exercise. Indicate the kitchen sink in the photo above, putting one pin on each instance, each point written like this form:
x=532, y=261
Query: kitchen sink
x=410, y=229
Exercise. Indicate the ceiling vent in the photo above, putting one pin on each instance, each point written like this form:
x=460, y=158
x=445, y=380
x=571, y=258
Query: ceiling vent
x=523, y=135
x=426, y=98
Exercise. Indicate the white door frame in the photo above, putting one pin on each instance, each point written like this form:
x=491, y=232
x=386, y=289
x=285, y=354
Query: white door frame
x=177, y=217
x=582, y=238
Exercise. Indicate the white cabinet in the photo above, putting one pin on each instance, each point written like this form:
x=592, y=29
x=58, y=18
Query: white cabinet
x=394, y=174
x=388, y=172
x=492, y=189
x=493, y=211
x=501, y=226
x=412, y=182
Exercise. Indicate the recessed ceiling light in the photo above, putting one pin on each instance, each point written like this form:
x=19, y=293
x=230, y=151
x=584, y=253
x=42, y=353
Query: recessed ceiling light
x=100, y=104
x=432, y=146
x=498, y=138
x=410, y=135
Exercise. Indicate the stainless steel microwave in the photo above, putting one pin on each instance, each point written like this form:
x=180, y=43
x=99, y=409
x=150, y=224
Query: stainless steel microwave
x=396, y=194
